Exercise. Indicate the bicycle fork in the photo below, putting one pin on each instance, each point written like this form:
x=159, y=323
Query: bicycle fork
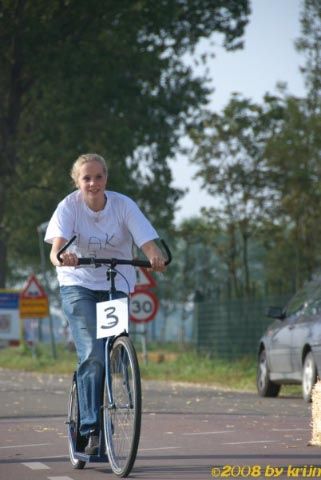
x=125, y=377
x=108, y=380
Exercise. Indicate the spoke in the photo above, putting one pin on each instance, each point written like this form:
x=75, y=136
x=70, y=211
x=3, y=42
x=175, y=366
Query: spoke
x=122, y=415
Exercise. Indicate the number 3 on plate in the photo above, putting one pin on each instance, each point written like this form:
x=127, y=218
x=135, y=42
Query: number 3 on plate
x=112, y=317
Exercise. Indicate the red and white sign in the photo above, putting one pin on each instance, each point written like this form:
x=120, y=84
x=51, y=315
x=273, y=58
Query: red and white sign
x=143, y=306
x=33, y=289
x=144, y=279
x=33, y=300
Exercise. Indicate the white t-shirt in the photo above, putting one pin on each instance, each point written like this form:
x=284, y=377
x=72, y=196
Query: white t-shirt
x=109, y=233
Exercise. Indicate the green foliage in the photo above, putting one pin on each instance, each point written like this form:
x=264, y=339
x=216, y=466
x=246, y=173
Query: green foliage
x=229, y=154
x=196, y=368
x=309, y=44
x=262, y=163
x=167, y=365
x=198, y=271
x=293, y=159
x=38, y=359
x=103, y=76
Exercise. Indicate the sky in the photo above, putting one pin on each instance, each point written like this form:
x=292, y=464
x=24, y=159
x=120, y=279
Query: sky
x=268, y=57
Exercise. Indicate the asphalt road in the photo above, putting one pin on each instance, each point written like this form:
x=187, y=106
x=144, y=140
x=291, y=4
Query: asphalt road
x=188, y=432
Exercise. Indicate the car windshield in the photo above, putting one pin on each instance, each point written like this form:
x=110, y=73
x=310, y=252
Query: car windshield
x=310, y=293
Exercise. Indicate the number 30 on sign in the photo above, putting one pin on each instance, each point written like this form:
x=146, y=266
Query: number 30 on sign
x=143, y=306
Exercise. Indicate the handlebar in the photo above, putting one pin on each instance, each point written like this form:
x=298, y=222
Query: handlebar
x=113, y=261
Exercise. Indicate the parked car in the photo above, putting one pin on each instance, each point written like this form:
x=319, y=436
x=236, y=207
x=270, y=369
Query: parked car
x=290, y=349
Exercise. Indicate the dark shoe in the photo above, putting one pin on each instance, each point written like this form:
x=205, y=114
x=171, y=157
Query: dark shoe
x=92, y=446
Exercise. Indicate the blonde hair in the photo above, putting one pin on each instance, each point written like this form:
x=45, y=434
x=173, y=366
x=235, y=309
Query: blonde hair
x=87, y=157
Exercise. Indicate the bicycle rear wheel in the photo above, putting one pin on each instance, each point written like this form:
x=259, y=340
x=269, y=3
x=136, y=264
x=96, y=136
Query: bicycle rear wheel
x=122, y=418
x=74, y=438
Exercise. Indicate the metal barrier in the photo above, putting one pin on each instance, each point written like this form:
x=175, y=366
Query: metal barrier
x=231, y=329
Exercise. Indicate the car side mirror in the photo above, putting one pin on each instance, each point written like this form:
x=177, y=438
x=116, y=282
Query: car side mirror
x=275, y=312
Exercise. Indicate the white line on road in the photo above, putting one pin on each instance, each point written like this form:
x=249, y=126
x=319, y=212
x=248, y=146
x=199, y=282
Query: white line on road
x=59, y=478
x=27, y=445
x=51, y=457
x=48, y=418
x=251, y=441
x=157, y=448
x=209, y=433
x=36, y=466
x=290, y=430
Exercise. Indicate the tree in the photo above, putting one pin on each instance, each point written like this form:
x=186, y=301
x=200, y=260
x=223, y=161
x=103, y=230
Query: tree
x=262, y=162
x=228, y=151
x=102, y=76
x=310, y=44
x=203, y=270
x=293, y=161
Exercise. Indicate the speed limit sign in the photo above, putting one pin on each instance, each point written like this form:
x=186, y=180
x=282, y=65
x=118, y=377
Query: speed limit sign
x=143, y=306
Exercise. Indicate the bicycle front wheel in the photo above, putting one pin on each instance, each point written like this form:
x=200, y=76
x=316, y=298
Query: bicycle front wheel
x=122, y=417
x=74, y=439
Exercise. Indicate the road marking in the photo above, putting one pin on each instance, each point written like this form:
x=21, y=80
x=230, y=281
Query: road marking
x=39, y=419
x=36, y=466
x=59, y=478
x=157, y=448
x=27, y=445
x=209, y=433
x=290, y=430
x=47, y=457
x=251, y=441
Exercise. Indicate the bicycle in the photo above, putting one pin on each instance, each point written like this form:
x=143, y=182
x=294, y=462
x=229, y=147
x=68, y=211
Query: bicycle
x=121, y=403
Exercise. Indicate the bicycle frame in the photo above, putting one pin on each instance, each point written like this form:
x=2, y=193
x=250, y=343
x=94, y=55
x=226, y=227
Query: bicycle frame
x=109, y=398
x=111, y=274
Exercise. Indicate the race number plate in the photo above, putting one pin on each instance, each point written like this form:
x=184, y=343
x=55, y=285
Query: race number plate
x=112, y=317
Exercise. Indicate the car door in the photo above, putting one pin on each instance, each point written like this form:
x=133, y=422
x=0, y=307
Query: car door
x=301, y=337
x=280, y=347
x=281, y=362
x=307, y=333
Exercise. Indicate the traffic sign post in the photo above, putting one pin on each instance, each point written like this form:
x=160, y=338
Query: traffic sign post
x=34, y=304
x=144, y=304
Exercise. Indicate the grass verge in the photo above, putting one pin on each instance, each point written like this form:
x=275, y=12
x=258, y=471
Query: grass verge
x=162, y=365
x=195, y=368
x=39, y=359
x=166, y=364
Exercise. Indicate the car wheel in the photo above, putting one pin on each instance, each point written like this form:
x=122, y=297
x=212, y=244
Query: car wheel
x=309, y=376
x=265, y=387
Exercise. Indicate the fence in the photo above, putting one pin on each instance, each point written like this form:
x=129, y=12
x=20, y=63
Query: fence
x=228, y=329
x=232, y=329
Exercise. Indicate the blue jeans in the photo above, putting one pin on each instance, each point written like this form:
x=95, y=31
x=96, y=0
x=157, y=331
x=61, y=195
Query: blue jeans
x=79, y=306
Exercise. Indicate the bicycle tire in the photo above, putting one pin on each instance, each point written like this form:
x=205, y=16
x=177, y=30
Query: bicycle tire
x=73, y=427
x=122, y=420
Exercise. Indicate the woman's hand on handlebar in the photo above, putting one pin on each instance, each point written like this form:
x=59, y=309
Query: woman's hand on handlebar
x=61, y=257
x=69, y=259
x=158, y=263
x=155, y=256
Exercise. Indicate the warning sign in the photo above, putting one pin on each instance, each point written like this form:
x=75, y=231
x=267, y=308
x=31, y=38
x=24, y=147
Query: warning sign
x=144, y=279
x=33, y=300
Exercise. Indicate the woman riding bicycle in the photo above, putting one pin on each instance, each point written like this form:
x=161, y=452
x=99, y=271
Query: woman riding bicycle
x=106, y=224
